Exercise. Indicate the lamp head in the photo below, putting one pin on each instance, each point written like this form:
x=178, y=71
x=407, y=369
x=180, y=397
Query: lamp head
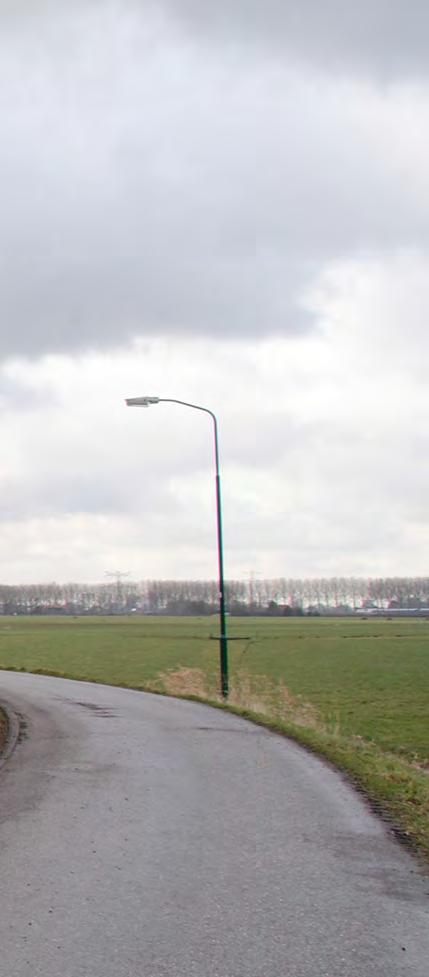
x=141, y=401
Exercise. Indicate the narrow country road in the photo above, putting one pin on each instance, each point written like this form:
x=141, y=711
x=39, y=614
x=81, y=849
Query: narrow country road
x=148, y=837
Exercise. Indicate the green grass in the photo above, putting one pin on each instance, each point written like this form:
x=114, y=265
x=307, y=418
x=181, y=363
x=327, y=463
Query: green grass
x=355, y=691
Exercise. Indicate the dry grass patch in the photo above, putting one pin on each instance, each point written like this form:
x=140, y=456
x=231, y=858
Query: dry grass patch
x=273, y=699
x=185, y=682
x=256, y=693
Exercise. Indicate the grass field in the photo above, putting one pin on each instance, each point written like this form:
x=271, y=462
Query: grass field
x=356, y=691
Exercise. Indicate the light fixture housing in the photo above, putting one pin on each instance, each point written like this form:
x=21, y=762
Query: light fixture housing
x=141, y=401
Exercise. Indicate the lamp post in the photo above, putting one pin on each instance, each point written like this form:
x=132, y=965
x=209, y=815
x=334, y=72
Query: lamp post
x=223, y=640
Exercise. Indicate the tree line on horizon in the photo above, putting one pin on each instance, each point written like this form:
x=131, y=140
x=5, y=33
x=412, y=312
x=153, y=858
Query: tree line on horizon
x=280, y=595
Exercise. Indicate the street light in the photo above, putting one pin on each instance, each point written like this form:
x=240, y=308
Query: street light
x=223, y=640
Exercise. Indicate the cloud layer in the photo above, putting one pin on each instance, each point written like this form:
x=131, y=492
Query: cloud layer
x=323, y=447
x=384, y=37
x=225, y=203
x=153, y=185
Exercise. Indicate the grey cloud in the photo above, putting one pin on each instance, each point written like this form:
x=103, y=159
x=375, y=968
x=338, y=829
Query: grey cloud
x=76, y=489
x=386, y=38
x=148, y=187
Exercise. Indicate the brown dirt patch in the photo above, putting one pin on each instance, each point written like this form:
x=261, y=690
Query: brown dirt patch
x=4, y=727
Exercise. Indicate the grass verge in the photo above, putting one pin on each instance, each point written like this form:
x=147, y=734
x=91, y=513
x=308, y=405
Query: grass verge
x=397, y=789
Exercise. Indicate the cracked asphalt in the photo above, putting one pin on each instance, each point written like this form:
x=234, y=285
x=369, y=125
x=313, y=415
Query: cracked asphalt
x=153, y=837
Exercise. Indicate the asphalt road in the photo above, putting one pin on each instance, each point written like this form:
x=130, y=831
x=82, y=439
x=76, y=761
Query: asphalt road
x=152, y=837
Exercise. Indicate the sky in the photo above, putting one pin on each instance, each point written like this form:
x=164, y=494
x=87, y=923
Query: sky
x=226, y=204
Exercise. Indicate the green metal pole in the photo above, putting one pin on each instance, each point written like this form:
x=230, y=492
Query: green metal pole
x=223, y=638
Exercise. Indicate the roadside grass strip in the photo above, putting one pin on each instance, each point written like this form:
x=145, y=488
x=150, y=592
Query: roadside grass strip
x=396, y=788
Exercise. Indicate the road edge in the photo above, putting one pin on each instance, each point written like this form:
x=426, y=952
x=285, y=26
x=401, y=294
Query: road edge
x=347, y=766
x=13, y=726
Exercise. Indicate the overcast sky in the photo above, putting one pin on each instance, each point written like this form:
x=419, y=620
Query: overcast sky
x=229, y=204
